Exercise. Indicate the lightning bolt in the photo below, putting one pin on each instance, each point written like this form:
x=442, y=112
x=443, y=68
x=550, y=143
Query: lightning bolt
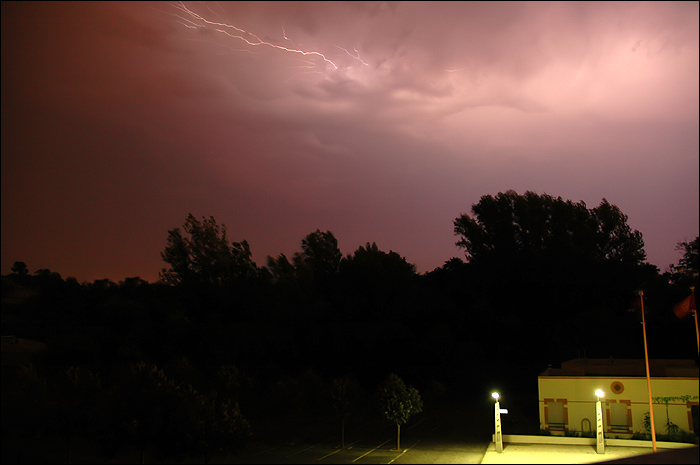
x=356, y=56
x=192, y=20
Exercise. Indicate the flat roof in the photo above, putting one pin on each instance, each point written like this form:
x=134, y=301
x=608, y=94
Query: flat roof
x=678, y=368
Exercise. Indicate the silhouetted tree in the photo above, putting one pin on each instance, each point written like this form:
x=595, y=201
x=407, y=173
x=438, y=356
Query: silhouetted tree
x=686, y=272
x=156, y=409
x=691, y=256
x=377, y=278
x=24, y=411
x=219, y=424
x=515, y=225
x=320, y=253
x=379, y=288
x=205, y=255
x=20, y=268
x=540, y=266
x=215, y=280
x=81, y=406
x=345, y=392
x=281, y=269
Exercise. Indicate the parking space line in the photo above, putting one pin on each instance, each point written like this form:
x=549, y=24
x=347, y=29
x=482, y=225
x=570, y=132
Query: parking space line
x=438, y=425
x=367, y=453
x=303, y=450
x=392, y=460
x=335, y=452
x=268, y=450
x=416, y=424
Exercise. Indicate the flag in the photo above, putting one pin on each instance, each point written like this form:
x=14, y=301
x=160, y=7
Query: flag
x=685, y=307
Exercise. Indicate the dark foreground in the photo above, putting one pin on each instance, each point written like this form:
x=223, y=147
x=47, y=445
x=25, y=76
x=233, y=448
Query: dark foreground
x=452, y=432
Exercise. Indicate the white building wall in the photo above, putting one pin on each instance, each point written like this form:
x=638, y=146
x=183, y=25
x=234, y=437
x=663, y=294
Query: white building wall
x=578, y=394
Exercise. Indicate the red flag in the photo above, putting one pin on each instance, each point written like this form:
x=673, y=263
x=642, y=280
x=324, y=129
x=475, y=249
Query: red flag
x=685, y=307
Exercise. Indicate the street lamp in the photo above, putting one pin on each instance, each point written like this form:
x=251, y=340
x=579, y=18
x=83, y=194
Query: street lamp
x=600, y=435
x=498, y=437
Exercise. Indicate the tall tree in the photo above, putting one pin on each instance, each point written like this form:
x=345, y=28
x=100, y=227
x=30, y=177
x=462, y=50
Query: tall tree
x=204, y=255
x=529, y=225
x=320, y=255
x=686, y=272
x=345, y=392
x=381, y=287
x=318, y=261
x=691, y=256
x=381, y=279
x=546, y=270
x=20, y=268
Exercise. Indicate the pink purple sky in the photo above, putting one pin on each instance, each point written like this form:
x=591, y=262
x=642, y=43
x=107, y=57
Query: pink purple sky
x=381, y=122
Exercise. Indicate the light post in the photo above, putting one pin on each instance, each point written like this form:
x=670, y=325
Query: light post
x=600, y=432
x=498, y=437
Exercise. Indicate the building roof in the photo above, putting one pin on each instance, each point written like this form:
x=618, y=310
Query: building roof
x=625, y=367
x=17, y=351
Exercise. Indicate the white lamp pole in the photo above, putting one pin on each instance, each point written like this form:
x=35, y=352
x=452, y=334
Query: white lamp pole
x=600, y=432
x=498, y=438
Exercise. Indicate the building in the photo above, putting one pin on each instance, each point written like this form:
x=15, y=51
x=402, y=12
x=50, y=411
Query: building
x=567, y=396
x=18, y=352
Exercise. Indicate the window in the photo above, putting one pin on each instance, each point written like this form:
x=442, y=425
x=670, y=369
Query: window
x=693, y=420
x=619, y=417
x=556, y=414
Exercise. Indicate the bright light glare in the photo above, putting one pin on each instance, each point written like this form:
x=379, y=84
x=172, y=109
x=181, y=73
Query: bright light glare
x=495, y=395
x=600, y=393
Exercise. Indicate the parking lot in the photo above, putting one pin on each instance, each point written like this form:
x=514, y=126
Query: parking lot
x=430, y=439
x=426, y=451
x=384, y=453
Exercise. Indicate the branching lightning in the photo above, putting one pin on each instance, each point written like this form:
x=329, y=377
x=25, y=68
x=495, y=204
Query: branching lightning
x=192, y=20
x=356, y=56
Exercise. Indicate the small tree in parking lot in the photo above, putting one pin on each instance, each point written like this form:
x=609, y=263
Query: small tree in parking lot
x=398, y=403
x=346, y=394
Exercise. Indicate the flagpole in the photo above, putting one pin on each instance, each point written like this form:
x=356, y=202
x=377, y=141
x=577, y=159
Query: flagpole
x=695, y=313
x=646, y=359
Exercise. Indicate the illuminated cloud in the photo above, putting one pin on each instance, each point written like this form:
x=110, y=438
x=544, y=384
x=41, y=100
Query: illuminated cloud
x=381, y=121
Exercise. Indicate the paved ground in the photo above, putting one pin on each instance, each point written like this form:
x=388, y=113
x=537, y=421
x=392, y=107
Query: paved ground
x=428, y=442
x=550, y=453
x=430, y=439
x=426, y=451
x=383, y=453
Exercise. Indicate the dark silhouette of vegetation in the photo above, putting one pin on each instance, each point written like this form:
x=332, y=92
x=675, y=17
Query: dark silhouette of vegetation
x=517, y=227
x=20, y=269
x=205, y=256
x=346, y=394
x=220, y=349
x=550, y=270
x=685, y=273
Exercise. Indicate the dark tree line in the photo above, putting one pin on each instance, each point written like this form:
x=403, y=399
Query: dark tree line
x=225, y=344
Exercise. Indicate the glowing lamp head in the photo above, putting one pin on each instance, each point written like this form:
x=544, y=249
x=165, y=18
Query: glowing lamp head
x=600, y=393
x=495, y=395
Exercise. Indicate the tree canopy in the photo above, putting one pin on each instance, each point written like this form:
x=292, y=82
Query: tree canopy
x=533, y=225
x=545, y=268
x=204, y=255
x=688, y=267
x=399, y=403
